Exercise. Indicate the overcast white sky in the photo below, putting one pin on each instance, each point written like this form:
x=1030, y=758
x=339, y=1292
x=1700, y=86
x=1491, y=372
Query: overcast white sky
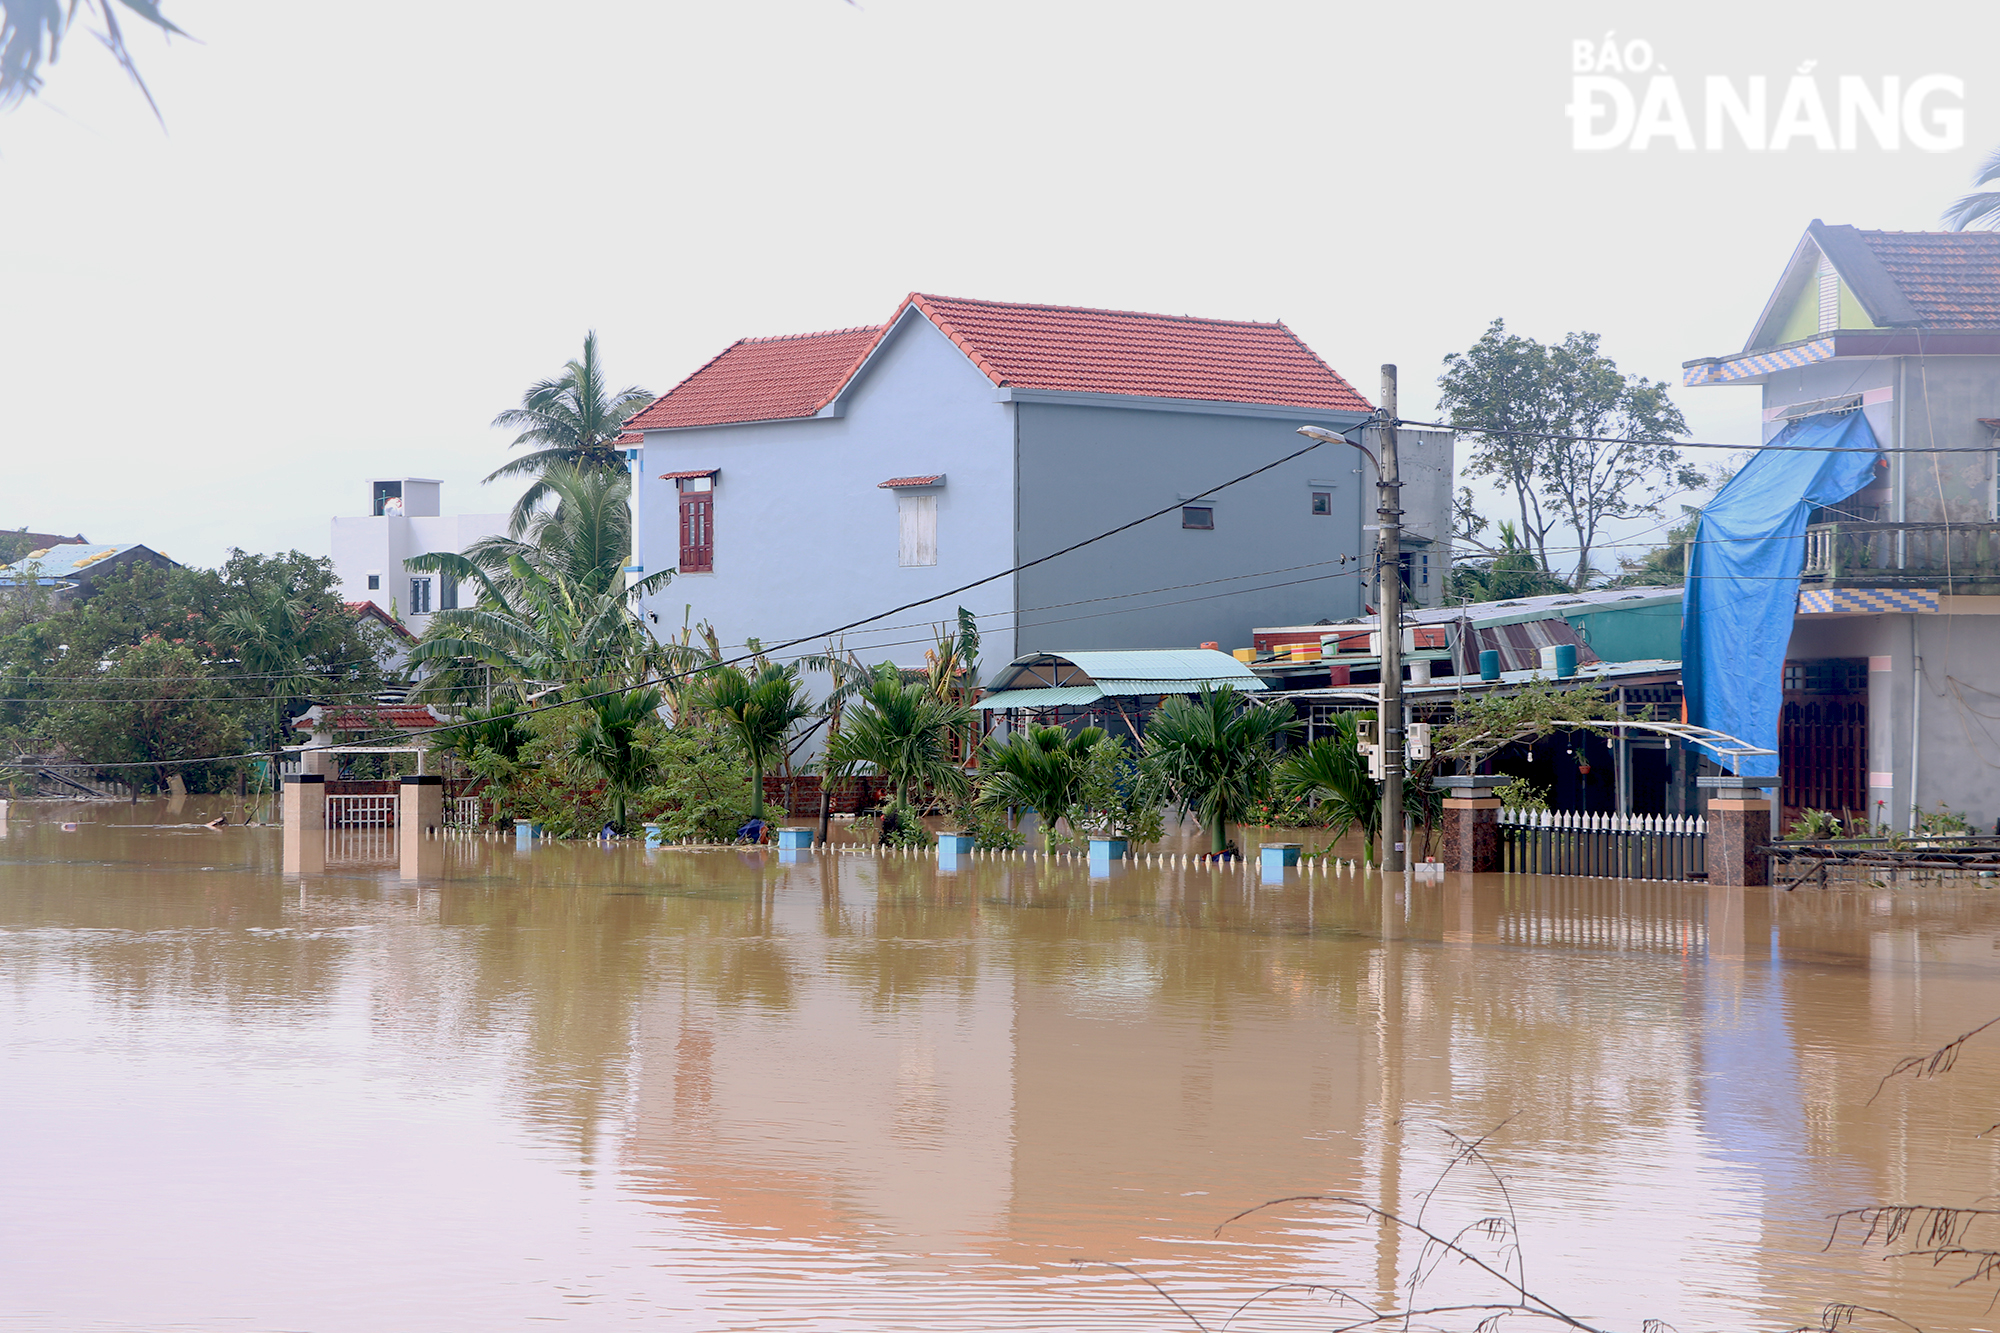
x=366, y=228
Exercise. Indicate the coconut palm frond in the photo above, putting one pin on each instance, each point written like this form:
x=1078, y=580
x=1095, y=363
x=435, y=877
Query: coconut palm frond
x=1214, y=755
x=1041, y=769
x=571, y=421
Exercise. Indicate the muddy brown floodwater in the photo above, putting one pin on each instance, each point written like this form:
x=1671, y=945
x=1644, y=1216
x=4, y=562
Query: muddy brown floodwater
x=709, y=1091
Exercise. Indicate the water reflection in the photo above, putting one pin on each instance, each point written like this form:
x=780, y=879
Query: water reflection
x=598, y=1083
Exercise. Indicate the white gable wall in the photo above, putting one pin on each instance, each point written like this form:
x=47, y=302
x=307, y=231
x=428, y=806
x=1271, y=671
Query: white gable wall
x=806, y=539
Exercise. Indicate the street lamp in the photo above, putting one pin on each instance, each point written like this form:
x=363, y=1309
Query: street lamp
x=1389, y=570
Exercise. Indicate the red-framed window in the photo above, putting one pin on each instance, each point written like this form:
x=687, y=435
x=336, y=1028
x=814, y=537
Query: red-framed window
x=697, y=525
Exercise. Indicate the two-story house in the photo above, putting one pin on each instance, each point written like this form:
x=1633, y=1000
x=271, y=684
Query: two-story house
x=403, y=521
x=798, y=483
x=1890, y=691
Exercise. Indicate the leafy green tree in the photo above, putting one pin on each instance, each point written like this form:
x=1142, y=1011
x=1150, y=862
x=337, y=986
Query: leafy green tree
x=761, y=710
x=1118, y=796
x=903, y=732
x=1539, y=416
x=157, y=704
x=1664, y=566
x=1214, y=754
x=570, y=422
x=1513, y=571
x=700, y=787
x=1041, y=769
x=271, y=632
x=1482, y=725
x=281, y=621
x=501, y=730
x=610, y=745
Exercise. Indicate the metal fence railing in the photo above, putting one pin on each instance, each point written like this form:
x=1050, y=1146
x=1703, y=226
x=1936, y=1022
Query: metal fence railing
x=360, y=811
x=1574, y=842
x=461, y=812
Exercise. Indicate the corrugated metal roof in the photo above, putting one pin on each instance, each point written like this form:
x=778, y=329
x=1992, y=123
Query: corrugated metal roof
x=1515, y=610
x=1177, y=665
x=1068, y=696
x=1174, y=686
x=1595, y=673
x=68, y=560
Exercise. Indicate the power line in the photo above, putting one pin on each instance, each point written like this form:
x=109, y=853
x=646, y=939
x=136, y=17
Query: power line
x=448, y=727
x=1695, y=444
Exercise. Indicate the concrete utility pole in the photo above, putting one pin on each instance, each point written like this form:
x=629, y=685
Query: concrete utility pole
x=1389, y=564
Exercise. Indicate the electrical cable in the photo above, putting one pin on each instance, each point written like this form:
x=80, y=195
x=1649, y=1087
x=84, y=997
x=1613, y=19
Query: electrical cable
x=445, y=728
x=1694, y=444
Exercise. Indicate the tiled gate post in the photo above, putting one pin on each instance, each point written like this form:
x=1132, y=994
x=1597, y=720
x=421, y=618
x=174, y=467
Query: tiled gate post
x=304, y=814
x=1739, y=827
x=418, y=818
x=1471, y=824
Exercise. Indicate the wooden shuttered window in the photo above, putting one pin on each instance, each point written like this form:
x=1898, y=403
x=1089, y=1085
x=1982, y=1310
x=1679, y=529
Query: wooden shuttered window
x=697, y=526
x=916, y=528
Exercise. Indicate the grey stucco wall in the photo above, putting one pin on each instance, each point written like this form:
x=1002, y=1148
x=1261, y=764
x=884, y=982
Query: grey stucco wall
x=805, y=538
x=1087, y=468
x=1931, y=402
x=1957, y=722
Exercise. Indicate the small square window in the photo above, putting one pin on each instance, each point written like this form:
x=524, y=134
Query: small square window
x=1322, y=502
x=374, y=583
x=1198, y=516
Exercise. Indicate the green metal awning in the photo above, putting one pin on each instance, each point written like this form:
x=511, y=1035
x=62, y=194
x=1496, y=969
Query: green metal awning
x=1188, y=686
x=1066, y=696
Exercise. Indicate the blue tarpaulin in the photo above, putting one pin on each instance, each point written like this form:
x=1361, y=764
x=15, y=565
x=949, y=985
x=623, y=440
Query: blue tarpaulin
x=1743, y=577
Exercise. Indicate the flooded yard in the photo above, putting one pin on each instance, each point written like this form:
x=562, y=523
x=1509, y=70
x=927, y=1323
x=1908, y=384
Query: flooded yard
x=708, y=1090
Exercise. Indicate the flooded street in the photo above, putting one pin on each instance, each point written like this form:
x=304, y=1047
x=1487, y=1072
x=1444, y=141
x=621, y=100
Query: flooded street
x=705, y=1090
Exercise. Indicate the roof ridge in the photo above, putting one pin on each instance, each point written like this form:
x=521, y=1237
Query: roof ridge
x=1941, y=235
x=1102, y=310
x=823, y=333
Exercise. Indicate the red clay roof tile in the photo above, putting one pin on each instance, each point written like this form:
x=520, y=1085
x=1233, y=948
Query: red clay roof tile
x=1951, y=277
x=761, y=379
x=398, y=717
x=895, y=483
x=1060, y=348
x=1079, y=350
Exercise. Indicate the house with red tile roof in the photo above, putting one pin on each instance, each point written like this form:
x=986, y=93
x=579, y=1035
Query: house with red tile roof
x=1891, y=670
x=801, y=481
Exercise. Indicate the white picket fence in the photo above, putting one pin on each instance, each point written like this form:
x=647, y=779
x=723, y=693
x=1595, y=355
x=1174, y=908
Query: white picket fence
x=1576, y=842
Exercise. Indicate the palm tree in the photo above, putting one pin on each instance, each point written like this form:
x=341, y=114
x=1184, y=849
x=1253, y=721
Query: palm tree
x=550, y=609
x=1040, y=770
x=761, y=710
x=1215, y=755
x=570, y=421
x=609, y=747
x=1332, y=774
x=1981, y=209
x=903, y=732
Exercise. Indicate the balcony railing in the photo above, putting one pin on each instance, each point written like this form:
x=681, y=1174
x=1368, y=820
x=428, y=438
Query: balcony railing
x=1932, y=555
